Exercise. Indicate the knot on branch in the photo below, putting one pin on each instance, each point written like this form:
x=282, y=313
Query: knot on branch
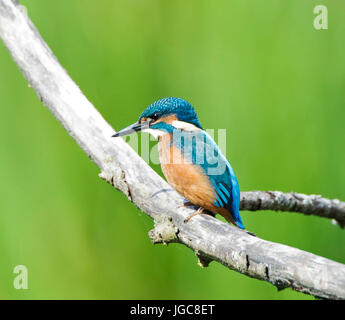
x=203, y=259
x=164, y=231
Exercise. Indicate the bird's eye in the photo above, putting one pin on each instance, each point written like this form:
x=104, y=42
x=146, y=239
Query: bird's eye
x=154, y=117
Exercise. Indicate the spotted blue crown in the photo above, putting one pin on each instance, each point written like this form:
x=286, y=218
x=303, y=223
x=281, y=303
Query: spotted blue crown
x=164, y=107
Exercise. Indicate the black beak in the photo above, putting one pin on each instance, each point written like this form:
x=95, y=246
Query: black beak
x=132, y=128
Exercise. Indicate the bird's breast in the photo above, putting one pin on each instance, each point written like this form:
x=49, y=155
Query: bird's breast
x=185, y=177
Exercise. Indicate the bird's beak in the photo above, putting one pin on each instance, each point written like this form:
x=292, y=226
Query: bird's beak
x=132, y=128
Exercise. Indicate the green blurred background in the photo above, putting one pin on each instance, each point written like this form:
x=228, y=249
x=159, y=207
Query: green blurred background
x=257, y=68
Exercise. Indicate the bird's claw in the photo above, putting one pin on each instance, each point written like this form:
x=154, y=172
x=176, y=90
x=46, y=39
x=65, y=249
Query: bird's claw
x=199, y=211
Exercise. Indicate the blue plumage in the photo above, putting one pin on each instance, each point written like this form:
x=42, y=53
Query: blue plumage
x=176, y=118
x=199, y=148
x=167, y=106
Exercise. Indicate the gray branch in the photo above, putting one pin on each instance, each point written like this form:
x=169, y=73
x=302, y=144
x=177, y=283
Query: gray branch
x=208, y=237
x=294, y=202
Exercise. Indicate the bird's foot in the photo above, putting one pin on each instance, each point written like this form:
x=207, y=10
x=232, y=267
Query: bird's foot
x=199, y=211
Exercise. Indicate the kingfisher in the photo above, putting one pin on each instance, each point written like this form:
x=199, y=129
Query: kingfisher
x=191, y=161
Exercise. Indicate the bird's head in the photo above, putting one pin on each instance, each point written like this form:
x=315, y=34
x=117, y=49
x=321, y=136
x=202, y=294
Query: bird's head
x=164, y=116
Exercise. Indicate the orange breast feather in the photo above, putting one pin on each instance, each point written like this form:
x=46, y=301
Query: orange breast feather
x=186, y=178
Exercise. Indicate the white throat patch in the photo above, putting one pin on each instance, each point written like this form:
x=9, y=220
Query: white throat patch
x=176, y=124
x=154, y=132
x=184, y=125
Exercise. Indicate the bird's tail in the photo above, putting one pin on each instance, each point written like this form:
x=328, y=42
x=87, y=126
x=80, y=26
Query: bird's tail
x=236, y=221
x=239, y=223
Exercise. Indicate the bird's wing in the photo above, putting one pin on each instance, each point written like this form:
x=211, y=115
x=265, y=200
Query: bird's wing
x=200, y=148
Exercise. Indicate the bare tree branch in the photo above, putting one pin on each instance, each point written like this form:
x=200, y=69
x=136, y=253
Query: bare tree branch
x=210, y=238
x=294, y=202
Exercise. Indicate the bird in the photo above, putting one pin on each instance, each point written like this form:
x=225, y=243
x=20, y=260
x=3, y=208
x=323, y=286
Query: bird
x=191, y=161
